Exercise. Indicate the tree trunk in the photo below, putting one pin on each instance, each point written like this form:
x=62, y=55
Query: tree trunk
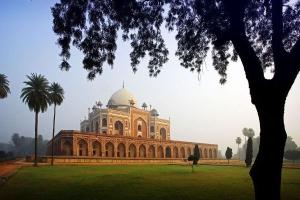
x=36, y=138
x=239, y=151
x=53, y=131
x=266, y=170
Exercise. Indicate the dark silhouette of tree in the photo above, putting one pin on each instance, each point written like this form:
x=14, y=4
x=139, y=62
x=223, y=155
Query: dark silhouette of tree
x=238, y=140
x=196, y=155
x=249, y=152
x=4, y=88
x=292, y=155
x=36, y=95
x=228, y=154
x=56, y=98
x=263, y=34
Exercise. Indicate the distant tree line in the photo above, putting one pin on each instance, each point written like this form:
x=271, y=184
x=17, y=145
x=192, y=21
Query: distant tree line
x=290, y=145
x=20, y=146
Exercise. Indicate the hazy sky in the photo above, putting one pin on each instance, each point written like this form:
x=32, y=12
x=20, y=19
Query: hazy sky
x=201, y=110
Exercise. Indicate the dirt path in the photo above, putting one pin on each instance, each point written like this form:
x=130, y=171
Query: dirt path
x=7, y=169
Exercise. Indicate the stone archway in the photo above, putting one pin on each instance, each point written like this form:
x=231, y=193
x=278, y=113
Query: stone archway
x=182, y=152
x=188, y=151
x=118, y=128
x=200, y=151
x=121, y=150
x=205, y=153
x=132, y=151
x=151, y=151
x=175, y=152
x=109, y=149
x=160, y=152
x=67, y=148
x=82, y=148
x=142, y=151
x=104, y=122
x=215, y=153
x=140, y=128
x=96, y=148
x=163, y=134
x=168, y=152
x=210, y=153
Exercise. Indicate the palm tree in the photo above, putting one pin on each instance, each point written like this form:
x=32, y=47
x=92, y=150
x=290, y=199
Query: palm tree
x=4, y=89
x=245, y=133
x=238, y=140
x=56, y=98
x=36, y=95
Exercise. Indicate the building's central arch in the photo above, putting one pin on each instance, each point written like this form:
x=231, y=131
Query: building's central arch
x=118, y=128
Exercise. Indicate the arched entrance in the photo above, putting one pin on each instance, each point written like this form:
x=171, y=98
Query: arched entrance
x=132, y=151
x=118, y=128
x=200, y=151
x=142, y=151
x=182, y=152
x=163, y=134
x=189, y=152
x=210, y=153
x=151, y=151
x=83, y=148
x=160, y=152
x=96, y=148
x=140, y=128
x=109, y=149
x=205, y=153
x=168, y=152
x=67, y=148
x=121, y=150
x=215, y=153
x=175, y=150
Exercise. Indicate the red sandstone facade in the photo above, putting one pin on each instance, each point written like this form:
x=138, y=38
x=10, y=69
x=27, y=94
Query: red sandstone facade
x=92, y=144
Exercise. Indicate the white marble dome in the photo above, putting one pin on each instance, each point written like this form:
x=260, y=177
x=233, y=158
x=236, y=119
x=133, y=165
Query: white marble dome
x=121, y=97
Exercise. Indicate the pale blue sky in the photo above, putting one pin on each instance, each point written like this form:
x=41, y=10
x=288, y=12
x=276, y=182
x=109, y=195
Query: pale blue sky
x=199, y=107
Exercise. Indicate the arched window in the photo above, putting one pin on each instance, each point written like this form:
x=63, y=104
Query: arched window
x=97, y=127
x=210, y=153
x=151, y=151
x=160, y=152
x=175, y=150
x=163, y=134
x=152, y=129
x=109, y=149
x=132, y=151
x=67, y=148
x=118, y=128
x=83, y=148
x=96, y=148
x=182, y=152
x=142, y=150
x=139, y=127
x=121, y=150
x=168, y=152
x=104, y=122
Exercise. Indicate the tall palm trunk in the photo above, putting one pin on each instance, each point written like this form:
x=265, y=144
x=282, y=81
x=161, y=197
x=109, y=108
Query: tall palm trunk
x=53, y=131
x=36, y=138
x=239, y=151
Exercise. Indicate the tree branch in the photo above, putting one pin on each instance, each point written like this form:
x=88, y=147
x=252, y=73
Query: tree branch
x=251, y=63
x=295, y=52
x=277, y=26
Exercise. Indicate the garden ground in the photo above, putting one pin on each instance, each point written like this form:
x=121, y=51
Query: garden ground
x=139, y=182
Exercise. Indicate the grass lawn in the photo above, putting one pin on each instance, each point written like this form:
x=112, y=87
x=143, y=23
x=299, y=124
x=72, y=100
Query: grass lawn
x=139, y=182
